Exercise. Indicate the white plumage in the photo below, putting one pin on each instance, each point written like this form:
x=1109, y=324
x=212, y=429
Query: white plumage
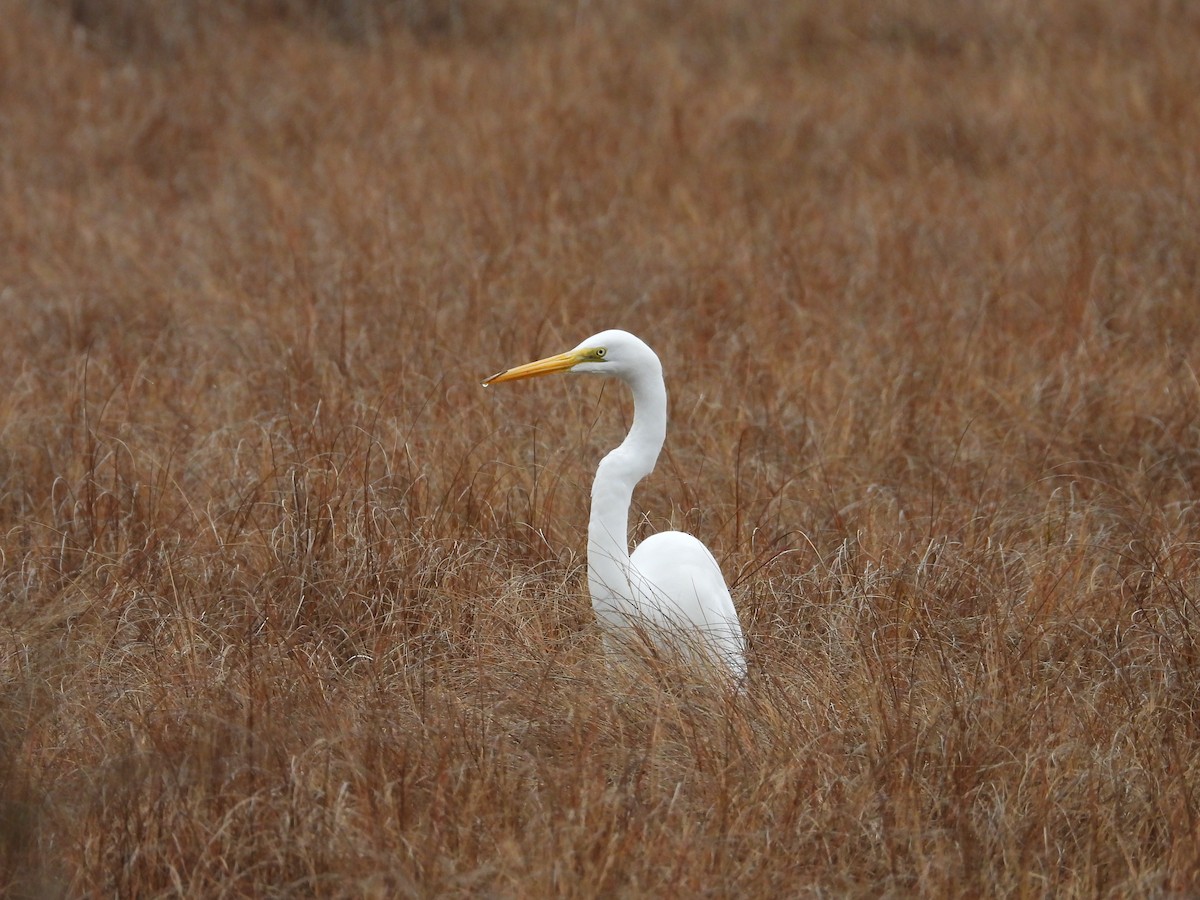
x=670, y=584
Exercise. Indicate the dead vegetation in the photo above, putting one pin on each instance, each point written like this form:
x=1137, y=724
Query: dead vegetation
x=291, y=606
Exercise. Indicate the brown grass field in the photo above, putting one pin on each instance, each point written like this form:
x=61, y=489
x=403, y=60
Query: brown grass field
x=291, y=606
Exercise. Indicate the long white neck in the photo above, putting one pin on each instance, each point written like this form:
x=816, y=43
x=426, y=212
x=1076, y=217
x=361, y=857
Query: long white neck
x=612, y=492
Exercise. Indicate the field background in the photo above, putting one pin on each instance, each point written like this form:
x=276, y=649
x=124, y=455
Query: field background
x=291, y=606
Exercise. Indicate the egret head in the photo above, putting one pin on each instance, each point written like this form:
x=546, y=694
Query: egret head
x=612, y=352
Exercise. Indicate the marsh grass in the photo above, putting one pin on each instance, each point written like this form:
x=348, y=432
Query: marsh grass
x=290, y=605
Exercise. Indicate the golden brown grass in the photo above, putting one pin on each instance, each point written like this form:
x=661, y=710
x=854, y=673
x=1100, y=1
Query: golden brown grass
x=291, y=606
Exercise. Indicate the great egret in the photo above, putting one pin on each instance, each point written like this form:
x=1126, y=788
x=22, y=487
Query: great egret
x=671, y=582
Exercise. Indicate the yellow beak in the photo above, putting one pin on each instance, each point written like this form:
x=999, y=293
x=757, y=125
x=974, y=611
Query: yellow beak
x=548, y=366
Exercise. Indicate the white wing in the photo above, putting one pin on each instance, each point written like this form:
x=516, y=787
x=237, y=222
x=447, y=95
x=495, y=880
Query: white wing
x=680, y=587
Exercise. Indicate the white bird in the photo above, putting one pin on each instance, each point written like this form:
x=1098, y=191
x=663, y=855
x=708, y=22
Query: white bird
x=671, y=582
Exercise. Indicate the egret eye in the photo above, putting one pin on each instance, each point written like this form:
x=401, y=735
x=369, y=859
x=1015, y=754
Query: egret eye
x=600, y=353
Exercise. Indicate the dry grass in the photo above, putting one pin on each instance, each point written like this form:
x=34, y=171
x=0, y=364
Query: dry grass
x=291, y=606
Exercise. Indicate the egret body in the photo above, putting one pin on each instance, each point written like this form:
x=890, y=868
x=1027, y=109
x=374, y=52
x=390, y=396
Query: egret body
x=671, y=583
